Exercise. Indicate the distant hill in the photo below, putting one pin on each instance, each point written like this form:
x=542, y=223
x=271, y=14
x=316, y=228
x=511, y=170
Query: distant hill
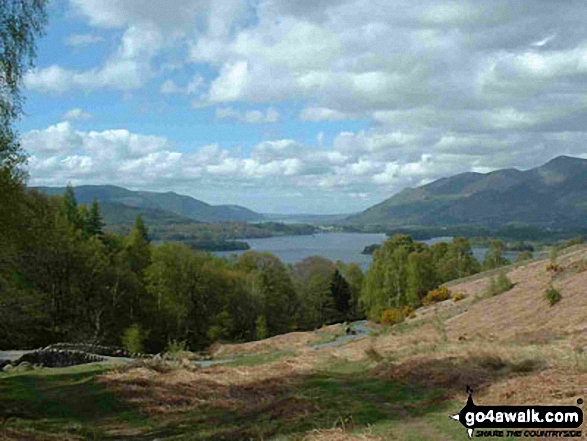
x=554, y=194
x=118, y=201
x=307, y=218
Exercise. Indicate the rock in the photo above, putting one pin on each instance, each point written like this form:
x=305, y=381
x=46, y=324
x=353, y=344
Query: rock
x=24, y=366
x=8, y=368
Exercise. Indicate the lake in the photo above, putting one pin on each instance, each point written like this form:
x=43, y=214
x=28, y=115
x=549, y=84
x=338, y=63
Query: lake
x=334, y=246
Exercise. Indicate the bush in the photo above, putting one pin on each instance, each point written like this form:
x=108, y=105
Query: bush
x=396, y=315
x=523, y=256
x=175, y=349
x=458, y=297
x=436, y=295
x=261, y=327
x=553, y=296
x=499, y=285
x=554, y=268
x=133, y=338
x=391, y=316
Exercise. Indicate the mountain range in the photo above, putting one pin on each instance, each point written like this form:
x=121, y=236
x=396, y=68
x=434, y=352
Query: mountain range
x=120, y=206
x=551, y=195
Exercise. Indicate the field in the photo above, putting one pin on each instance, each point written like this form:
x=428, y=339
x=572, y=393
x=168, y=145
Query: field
x=399, y=383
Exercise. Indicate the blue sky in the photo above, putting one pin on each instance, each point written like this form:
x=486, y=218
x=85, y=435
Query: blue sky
x=313, y=106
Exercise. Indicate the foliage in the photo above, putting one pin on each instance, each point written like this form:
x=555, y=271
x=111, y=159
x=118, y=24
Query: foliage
x=21, y=22
x=523, y=256
x=261, y=327
x=553, y=295
x=340, y=292
x=404, y=271
x=494, y=256
x=396, y=315
x=436, y=295
x=175, y=349
x=133, y=338
x=498, y=285
x=458, y=297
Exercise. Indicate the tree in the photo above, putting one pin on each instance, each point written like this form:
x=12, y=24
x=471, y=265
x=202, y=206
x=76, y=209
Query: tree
x=94, y=223
x=340, y=292
x=454, y=260
x=386, y=281
x=494, y=256
x=312, y=277
x=21, y=21
x=70, y=208
x=421, y=276
x=272, y=291
x=523, y=256
x=354, y=276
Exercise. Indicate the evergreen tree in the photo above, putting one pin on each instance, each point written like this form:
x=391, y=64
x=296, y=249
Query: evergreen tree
x=94, y=225
x=340, y=291
x=141, y=229
x=70, y=208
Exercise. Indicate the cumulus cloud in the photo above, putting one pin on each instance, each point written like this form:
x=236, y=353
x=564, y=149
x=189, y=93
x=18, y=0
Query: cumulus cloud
x=129, y=68
x=80, y=40
x=438, y=87
x=169, y=87
x=76, y=113
x=269, y=116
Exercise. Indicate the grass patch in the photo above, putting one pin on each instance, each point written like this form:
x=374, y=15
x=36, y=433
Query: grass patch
x=66, y=402
x=259, y=359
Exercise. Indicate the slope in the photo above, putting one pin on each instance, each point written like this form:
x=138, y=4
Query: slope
x=181, y=205
x=553, y=195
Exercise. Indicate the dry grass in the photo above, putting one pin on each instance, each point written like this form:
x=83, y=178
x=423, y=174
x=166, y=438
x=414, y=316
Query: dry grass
x=290, y=342
x=245, y=388
x=338, y=435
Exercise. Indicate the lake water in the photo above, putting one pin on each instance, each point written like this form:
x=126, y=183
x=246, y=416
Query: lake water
x=334, y=246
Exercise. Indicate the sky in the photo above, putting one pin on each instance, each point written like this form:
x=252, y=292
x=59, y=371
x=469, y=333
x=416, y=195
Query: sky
x=321, y=106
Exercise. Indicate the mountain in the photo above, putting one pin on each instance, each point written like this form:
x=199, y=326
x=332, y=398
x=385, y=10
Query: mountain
x=159, y=205
x=554, y=194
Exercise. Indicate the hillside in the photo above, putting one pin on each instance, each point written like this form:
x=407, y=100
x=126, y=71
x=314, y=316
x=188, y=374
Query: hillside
x=180, y=205
x=552, y=195
x=397, y=383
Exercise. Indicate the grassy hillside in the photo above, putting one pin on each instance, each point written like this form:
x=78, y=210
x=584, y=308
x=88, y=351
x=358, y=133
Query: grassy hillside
x=184, y=206
x=398, y=383
x=552, y=195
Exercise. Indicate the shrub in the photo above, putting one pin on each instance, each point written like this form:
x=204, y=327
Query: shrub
x=436, y=295
x=553, y=296
x=175, y=349
x=554, y=268
x=133, y=338
x=261, y=327
x=458, y=297
x=396, y=315
x=499, y=285
x=391, y=316
x=523, y=256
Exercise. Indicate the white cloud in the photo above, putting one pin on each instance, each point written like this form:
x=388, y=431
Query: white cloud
x=270, y=116
x=80, y=40
x=323, y=114
x=129, y=68
x=195, y=85
x=76, y=113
